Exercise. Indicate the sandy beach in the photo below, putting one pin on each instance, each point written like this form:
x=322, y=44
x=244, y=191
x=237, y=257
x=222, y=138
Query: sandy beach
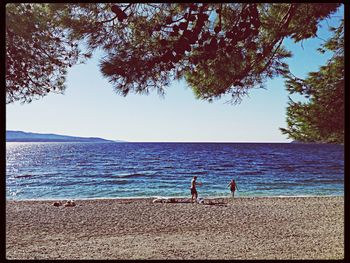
x=247, y=228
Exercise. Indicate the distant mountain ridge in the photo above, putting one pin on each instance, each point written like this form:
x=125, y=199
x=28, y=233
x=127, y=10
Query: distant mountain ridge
x=20, y=136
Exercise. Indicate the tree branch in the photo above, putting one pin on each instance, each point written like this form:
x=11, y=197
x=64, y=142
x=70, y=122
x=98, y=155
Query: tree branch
x=288, y=16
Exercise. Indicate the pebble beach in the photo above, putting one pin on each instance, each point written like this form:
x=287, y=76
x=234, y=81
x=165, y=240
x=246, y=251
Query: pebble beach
x=245, y=228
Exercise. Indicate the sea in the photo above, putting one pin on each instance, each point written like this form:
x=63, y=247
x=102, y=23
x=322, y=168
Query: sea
x=61, y=171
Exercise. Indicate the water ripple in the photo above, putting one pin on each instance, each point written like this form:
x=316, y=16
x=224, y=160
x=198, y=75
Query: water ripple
x=49, y=170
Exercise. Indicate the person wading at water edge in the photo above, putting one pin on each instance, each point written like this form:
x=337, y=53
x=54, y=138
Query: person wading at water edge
x=194, y=189
x=233, y=187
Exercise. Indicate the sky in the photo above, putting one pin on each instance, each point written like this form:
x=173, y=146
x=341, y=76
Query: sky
x=90, y=108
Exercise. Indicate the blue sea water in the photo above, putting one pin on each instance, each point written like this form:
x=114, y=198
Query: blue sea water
x=123, y=170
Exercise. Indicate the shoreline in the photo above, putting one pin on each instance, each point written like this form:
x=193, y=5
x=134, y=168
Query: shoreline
x=176, y=197
x=245, y=228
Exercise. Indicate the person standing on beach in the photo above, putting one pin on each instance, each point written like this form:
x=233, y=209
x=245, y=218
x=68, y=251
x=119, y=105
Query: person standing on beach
x=233, y=187
x=194, y=189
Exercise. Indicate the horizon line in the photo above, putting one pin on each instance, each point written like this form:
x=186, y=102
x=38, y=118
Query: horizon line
x=206, y=141
x=137, y=141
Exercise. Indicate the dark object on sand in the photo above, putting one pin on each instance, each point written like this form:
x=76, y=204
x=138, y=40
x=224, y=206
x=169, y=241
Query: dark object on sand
x=69, y=203
x=165, y=200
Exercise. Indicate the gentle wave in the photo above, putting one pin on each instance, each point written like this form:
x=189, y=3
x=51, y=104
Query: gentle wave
x=197, y=172
x=106, y=182
x=326, y=181
x=249, y=173
x=36, y=175
x=133, y=175
x=24, y=176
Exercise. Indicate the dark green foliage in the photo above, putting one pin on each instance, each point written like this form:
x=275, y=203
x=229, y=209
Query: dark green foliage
x=37, y=53
x=321, y=119
x=222, y=48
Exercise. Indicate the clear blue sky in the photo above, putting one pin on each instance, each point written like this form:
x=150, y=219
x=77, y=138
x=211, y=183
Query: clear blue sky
x=90, y=107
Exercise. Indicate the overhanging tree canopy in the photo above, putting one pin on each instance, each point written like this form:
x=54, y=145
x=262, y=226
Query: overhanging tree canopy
x=321, y=118
x=218, y=48
x=37, y=54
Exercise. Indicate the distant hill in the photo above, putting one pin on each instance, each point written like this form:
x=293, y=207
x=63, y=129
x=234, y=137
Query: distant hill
x=20, y=136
